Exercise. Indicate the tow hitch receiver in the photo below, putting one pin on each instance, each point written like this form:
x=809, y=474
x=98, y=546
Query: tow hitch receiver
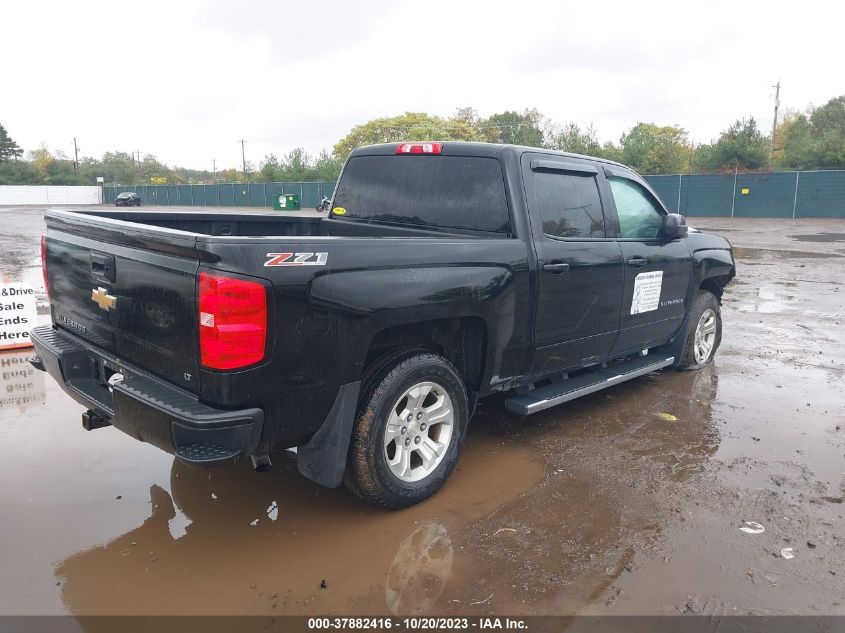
x=92, y=420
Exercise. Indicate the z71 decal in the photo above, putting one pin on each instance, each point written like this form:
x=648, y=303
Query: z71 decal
x=297, y=259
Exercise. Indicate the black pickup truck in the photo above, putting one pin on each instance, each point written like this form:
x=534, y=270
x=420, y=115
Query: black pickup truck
x=444, y=273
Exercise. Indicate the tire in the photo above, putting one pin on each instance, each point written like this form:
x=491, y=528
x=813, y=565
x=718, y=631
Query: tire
x=423, y=450
x=704, y=333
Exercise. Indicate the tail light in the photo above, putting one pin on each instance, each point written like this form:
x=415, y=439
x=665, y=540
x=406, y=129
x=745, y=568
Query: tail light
x=44, y=264
x=419, y=148
x=232, y=321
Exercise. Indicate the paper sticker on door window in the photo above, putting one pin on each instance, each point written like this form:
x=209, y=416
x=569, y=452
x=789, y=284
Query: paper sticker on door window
x=646, y=292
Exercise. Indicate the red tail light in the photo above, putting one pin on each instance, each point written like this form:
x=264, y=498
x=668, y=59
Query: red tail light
x=44, y=264
x=232, y=321
x=419, y=148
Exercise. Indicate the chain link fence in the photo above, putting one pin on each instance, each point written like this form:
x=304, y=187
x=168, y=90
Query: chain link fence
x=254, y=194
x=784, y=194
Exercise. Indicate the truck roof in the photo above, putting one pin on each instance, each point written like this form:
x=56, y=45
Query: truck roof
x=465, y=148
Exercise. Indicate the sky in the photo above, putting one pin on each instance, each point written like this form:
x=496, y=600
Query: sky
x=186, y=80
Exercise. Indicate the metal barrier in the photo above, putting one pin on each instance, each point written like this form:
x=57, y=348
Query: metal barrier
x=783, y=194
x=780, y=194
x=254, y=194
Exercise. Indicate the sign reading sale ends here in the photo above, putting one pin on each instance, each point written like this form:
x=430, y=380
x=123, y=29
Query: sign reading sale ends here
x=17, y=315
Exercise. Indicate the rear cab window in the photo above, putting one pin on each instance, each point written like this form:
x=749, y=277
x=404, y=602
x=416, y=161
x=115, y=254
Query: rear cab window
x=569, y=204
x=440, y=192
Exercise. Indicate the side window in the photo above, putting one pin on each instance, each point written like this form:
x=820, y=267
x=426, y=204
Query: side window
x=639, y=215
x=569, y=203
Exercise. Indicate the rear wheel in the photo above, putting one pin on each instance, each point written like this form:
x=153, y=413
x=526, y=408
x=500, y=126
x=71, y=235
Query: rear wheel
x=704, y=334
x=409, y=431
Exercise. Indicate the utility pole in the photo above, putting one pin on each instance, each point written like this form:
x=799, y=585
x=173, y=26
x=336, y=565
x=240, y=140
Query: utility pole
x=243, y=154
x=214, y=168
x=75, y=157
x=774, y=122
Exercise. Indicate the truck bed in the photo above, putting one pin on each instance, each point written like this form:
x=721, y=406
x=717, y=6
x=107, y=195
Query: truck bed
x=271, y=225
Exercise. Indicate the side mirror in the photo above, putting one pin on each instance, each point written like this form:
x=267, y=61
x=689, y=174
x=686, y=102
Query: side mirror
x=674, y=226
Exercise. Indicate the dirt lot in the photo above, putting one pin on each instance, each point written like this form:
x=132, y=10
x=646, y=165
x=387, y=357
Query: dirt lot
x=599, y=506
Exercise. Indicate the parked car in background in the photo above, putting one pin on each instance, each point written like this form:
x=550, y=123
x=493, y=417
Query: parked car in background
x=128, y=199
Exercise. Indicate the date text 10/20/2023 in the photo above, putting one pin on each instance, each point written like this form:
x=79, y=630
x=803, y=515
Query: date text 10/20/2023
x=417, y=623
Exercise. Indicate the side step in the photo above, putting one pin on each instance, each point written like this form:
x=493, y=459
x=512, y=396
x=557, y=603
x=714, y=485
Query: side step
x=557, y=393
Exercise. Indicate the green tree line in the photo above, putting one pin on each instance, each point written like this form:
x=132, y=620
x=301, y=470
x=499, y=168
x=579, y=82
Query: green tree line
x=813, y=139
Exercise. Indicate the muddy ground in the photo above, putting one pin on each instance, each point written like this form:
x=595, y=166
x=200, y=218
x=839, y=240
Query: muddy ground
x=599, y=506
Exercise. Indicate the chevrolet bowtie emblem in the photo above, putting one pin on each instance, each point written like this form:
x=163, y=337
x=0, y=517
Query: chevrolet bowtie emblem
x=102, y=298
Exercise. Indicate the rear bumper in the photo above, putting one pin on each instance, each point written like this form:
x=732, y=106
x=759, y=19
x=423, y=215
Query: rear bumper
x=145, y=406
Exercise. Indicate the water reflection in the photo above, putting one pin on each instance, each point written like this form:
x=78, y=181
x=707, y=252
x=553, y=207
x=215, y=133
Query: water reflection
x=420, y=569
x=228, y=541
x=21, y=385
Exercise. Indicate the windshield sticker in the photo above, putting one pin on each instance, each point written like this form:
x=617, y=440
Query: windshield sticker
x=297, y=259
x=646, y=292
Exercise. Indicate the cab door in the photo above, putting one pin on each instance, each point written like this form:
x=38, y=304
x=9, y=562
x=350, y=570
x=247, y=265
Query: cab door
x=657, y=270
x=580, y=270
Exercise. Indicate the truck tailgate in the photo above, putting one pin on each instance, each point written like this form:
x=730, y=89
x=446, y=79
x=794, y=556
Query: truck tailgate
x=130, y=290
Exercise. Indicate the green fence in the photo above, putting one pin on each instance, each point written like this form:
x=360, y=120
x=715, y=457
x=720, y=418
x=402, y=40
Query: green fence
x=784, y=194
x=256, y=194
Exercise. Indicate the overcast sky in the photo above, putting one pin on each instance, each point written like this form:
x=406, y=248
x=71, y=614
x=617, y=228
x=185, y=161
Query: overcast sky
x=185, y=80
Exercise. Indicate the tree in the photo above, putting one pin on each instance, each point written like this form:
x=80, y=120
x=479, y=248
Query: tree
x=411, y=126
x=8, y=148
x=296, y=166
x=814, y=139
x=41, y=160
x=655, y=150
x=327, y=167
x=513, y=128
x=18, y=172
x=571, y=138
x=270, y=170
x=741, y=145
x=797, y=149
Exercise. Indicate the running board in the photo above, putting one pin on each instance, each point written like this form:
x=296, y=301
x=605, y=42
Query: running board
x=560, y=392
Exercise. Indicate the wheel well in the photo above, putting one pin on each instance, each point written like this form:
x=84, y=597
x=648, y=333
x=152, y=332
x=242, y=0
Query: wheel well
x=716, y=285
x=461, y=340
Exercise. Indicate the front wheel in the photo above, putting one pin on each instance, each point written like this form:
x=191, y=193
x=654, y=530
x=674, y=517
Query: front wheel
x=409, y=431
x=704, y=334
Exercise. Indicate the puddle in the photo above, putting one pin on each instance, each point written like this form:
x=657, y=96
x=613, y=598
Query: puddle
x=820, y=237
x=138, y=527
x=765, y=253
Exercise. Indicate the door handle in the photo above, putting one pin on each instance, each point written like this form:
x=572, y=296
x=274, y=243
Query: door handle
x=556, y=268
x=637, y=262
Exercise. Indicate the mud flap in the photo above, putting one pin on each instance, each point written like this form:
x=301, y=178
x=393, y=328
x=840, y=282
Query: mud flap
x=323, y=459
x=675, y=346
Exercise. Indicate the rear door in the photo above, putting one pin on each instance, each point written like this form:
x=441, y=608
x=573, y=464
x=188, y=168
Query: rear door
x=132, y=296
x=657, y=270
x=580, y=265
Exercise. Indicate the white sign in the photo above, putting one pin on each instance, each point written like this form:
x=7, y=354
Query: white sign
x=646, y=292
x=17, y=315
